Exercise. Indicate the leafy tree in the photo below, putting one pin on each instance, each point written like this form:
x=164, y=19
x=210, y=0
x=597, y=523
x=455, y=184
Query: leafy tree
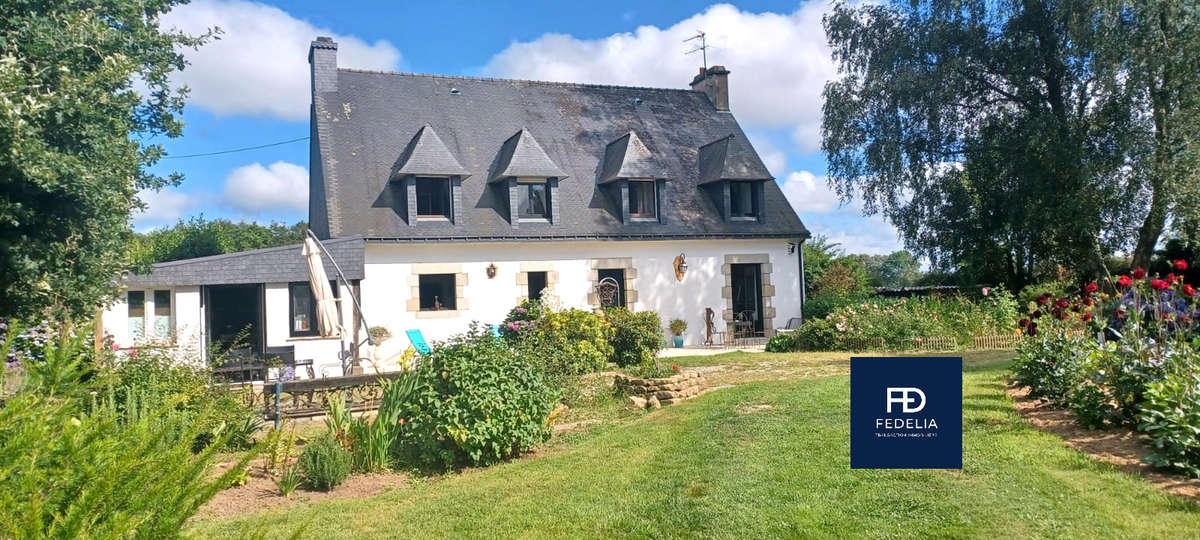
x=1004, y=137
x=898, y=269
x=819, y=253
x=198, y=237
x=846, y=277
x=72, y=150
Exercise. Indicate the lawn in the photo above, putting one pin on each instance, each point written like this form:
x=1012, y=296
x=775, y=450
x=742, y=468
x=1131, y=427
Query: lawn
x=766, y=458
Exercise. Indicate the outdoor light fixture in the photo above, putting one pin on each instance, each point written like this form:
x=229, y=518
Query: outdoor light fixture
x=491, y=271
x=791, y=248
x=680, y=267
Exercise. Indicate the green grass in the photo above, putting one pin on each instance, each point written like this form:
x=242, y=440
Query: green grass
x=766, y=458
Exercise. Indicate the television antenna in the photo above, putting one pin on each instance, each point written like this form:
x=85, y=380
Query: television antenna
x=702, y=47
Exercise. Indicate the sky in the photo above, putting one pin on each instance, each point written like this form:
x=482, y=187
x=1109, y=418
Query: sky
x=250, y=86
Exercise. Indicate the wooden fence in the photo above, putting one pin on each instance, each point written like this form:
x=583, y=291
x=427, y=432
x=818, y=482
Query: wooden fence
x=934, y=343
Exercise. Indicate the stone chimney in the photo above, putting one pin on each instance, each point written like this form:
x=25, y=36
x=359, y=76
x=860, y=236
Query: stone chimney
x=322, y=56
x=714, y=82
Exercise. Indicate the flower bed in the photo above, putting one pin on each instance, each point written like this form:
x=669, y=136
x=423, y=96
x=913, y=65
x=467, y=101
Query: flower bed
x=656, y=392
x=1143, y=373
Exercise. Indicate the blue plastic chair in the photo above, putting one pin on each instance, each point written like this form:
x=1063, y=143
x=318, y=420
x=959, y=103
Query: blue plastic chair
x=418, y=341
x=496, y=330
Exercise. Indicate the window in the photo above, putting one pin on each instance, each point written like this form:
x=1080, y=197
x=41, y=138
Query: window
x=610, y=288
x=302, y=305
x=743, y=204
x=534, y=200
x=537, y=284
x=433, y=197
x=642, y=203
x=136, y=317
x=162, y=314
x=437, y=292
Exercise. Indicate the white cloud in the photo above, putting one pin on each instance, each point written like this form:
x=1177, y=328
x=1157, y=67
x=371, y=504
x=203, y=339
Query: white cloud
x=779, y=62
x=774, y=158
x=163, y=207
x=871, y=236
x=809, y=193
x=281, y=186
x=259, y=64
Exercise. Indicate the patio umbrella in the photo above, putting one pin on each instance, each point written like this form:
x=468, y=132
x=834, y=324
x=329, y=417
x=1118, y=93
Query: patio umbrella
x=326, y=304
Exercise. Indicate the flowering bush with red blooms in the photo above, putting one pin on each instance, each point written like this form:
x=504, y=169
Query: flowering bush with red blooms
x=1125, y=353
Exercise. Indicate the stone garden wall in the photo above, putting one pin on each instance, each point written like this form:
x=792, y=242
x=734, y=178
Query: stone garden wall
x=658, y=392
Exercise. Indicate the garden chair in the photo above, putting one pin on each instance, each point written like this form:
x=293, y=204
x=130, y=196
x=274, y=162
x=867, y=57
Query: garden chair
x=418, y=342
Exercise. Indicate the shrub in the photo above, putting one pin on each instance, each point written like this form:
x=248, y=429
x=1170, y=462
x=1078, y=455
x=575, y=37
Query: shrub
x=815, y=335
x=1171, y=417
x=821, y=305
x=324, y=464
x=898, y=321
x=570, y=342
x=76, y=472
x=636, y=337
x=678, y=327
x=785, y=342
x=476, y=401
x=150, y=380
x=521, y=319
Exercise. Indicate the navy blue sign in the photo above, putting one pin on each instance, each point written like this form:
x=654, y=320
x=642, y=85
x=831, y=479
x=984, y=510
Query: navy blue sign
x=906, y=413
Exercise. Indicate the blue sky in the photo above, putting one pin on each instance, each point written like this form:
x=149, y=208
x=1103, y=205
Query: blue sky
x=250, y=87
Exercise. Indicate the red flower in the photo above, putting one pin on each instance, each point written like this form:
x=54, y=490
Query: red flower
x=1044, y=299
x=1086, y=316
x=1023, y=323
x=1061, y=303
x=1159, y=285
x=675, y=367
x=1124, y=281
x=1087, y=301
x=1170, y=279
x=1189, y=290
x=1036, y=313
x=1180, y=264
x=1091, y=287
x=1139, y=273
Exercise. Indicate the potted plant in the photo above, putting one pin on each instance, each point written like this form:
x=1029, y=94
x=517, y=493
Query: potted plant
x=678, y=327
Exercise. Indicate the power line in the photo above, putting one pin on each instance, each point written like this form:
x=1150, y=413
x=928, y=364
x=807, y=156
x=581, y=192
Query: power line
x=243, y=149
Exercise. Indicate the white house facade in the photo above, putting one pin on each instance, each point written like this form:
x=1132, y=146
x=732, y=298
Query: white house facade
x=447, y=200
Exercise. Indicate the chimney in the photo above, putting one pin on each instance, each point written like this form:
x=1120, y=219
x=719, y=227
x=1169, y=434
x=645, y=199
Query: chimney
x=714, y=82
x=322, y=56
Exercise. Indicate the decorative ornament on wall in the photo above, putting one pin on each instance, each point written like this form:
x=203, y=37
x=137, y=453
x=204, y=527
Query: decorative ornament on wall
x=680, y=267
x=491, y=271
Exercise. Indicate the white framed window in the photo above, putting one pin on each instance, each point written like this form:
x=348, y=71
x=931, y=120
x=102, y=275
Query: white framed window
x=150, y=316
x=533, y=199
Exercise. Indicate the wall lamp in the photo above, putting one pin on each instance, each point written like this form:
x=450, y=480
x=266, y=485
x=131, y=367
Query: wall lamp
x=680, y=267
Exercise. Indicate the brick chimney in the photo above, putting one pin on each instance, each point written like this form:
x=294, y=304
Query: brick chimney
x=714, y=82
x=322, y=56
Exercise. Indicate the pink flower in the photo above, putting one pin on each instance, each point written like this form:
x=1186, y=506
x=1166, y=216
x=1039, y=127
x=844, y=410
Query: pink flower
x=986, y=290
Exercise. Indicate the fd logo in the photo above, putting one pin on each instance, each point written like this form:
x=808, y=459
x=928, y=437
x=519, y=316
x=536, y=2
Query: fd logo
x=901, y=396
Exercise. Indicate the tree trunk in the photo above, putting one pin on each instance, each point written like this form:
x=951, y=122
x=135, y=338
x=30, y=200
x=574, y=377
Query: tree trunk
x=1156, y=218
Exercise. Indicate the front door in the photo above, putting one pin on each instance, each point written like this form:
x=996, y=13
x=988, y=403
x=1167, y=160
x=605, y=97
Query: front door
x=746, y=280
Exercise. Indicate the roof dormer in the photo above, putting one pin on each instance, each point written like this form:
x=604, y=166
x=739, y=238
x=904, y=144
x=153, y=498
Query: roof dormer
x=634, y=179
x=732, y=173
x=431, y=180
x=529, y=179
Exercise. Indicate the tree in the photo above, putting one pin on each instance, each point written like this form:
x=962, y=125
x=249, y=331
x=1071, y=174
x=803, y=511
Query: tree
x=898, y=269
x=198, y=237
x=73, y=154
x=818, y=253
x=1005, y=137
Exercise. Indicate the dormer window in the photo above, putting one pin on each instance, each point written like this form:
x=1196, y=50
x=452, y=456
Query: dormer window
x=643, y=200
x=533, y=196
x=433, y=198
x=743, y=201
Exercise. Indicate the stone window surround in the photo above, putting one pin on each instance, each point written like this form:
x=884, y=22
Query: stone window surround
x=523, y=277
x=612, y=263
x=768, y=290
x=413, y=304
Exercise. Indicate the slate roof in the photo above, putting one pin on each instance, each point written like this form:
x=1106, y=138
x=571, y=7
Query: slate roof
x=730, y=158
x=521, y=155
x=270, y=265
x=426, y=154
x=363, y=127
x=628, y=157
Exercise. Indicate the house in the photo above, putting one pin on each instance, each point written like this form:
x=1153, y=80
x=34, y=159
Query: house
x=446, y=200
